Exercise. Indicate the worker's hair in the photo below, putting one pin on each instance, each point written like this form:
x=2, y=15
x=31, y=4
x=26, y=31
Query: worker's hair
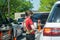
x=28, y=13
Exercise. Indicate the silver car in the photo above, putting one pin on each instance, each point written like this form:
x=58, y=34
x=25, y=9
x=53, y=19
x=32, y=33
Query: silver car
x=17, y=30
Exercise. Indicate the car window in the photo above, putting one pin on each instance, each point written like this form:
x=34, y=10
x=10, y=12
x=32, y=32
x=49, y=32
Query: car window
x=42, y=16
x=21, y=19
x=55, y=14
x=35, y=17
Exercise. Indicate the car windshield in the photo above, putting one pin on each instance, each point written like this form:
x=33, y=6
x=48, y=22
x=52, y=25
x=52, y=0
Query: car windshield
x=41, y=16
x=55, y=14
x=35, y=17
x=21, y=19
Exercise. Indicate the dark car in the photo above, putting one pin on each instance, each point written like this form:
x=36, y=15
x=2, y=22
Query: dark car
x=42, y=16
x=37, y=15
x=20, y=20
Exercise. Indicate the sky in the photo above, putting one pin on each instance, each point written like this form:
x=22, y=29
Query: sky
x=35, y=4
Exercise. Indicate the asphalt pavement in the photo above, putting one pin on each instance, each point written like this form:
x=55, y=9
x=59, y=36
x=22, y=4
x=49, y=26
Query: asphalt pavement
x=23, y=37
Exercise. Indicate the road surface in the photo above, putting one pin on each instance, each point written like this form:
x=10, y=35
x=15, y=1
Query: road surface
x=23, y=37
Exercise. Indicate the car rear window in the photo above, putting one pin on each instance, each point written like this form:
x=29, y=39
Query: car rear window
x=55, y=14
x=42, y=16
x=21, y=19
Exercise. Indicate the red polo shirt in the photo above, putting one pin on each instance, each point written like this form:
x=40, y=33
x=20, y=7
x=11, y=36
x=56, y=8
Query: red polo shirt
x=29, y=22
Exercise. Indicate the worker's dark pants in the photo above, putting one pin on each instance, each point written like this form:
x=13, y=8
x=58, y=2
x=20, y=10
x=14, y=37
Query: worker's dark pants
x=30, y=36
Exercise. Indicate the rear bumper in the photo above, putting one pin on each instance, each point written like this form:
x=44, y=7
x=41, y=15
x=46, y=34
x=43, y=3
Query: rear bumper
x=56, y=38
x=44, y=37
x=49, y=37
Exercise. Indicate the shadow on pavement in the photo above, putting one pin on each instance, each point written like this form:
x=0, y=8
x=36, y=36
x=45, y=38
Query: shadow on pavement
x=21, y=37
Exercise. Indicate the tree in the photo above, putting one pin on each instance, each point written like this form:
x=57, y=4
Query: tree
x=19, y=6
x=46, y=5
x=15, y=6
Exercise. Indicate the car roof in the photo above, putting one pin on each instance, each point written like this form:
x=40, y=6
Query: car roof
x=58, y=2
x=40, y=12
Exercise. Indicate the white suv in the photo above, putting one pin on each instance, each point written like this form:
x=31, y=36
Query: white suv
x=51, y=29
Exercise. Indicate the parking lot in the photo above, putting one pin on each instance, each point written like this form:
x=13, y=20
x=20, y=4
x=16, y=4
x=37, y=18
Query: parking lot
x=23, y=37
x=26, y=19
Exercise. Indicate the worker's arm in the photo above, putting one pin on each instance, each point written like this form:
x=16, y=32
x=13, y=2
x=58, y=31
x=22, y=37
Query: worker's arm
x=31, y=24
x=33, y=27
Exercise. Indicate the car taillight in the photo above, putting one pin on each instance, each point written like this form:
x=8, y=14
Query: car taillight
x=51, y=32
x=47, y=32
x=1, y=34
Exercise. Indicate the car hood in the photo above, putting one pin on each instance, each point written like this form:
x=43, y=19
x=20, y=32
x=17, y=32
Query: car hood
x=54, y=25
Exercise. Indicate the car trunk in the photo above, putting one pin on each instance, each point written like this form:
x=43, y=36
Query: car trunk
x=52, y=30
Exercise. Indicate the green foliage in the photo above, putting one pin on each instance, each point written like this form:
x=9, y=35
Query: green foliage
x=46, y=5
x=15, y=6
x=2, y=2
